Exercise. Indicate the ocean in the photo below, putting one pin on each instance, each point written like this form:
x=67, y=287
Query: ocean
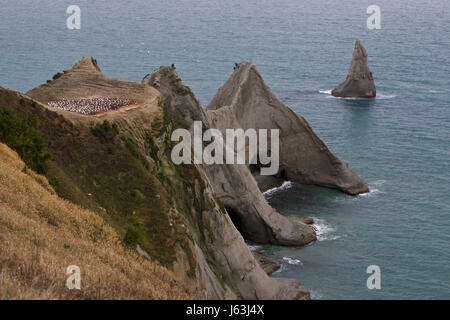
x=399, y=142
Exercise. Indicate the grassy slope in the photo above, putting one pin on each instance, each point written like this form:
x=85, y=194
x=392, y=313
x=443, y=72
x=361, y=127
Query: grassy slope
x=107, y=178
x=41, y=234
x=127, y=180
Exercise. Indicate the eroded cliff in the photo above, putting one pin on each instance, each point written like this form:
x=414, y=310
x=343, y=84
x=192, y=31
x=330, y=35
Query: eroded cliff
x=245, y=101
x=117, y=163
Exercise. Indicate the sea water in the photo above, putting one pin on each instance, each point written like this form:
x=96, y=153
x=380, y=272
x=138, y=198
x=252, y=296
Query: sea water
x=398, y=142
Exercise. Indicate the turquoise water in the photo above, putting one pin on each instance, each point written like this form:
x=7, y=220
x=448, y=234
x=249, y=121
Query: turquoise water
x=398, y=142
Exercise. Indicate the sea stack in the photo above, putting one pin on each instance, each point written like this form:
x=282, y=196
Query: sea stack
x=359, y=82
x=245, y=101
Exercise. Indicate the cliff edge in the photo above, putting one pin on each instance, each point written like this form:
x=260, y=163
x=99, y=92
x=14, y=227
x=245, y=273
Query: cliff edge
x=117, y=164
x=233, y=184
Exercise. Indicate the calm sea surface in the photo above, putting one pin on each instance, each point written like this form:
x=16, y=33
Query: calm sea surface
x=398, y=142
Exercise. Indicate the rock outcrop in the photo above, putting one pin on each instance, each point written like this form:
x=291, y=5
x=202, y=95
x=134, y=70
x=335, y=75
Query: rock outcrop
x=359, y=82
x=268, y=265
x=118, y=164
x=234, y=184
x=85, y=80
x=190, y=218
x=245, y=101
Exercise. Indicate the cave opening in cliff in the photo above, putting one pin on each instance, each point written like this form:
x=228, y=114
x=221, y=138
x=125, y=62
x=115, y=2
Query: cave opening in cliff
x=236, y=219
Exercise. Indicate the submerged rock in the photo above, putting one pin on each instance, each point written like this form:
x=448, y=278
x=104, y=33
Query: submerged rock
x=359, y=82
x=268, y=265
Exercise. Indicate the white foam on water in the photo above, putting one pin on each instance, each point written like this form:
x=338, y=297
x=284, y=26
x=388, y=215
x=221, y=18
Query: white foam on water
x=286, y=185
x=373, y=191
x=324, y=231
x=380, y=96
x=253, y=247
x=385, y=96
x=315, y=295
x=292, y=261
x=378, y=182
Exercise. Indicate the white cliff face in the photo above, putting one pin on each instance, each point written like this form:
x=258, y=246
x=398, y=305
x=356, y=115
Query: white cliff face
x=223, y=251
x=245, y=101
x=359, y=81
x=234, y=184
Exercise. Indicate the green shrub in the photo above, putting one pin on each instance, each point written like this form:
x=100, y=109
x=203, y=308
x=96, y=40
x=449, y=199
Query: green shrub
x=54, y=182
x=18, y=131
x=94, y=62
x=132, y=147
x=135, y=152
x=153, y=148
x=106, y=131
x=57, y=75
x=134, y=234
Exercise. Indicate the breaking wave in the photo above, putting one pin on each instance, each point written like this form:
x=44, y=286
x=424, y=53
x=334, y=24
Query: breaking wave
x=324, y=231
x=253, y=247
x=373, y=189
x=286, y=185
x=292, y=261
x=315, y=295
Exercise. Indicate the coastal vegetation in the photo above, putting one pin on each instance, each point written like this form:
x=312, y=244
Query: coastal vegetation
x=116, y=164
x=54, y=233
x=19, y=132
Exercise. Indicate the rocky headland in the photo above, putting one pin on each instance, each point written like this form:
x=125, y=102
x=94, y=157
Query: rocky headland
x=191, y=219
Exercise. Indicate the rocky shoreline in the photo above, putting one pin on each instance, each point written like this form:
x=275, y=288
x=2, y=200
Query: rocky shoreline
x=191, y=219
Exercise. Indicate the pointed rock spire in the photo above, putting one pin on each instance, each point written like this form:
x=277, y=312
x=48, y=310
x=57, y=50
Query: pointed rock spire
x=246, y=101
x=359, y=82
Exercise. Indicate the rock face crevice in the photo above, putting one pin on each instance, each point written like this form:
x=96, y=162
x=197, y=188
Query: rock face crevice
x=245, y=101
x=359, y=82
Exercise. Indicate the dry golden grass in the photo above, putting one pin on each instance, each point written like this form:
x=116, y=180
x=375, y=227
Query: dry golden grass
x=42, y=234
